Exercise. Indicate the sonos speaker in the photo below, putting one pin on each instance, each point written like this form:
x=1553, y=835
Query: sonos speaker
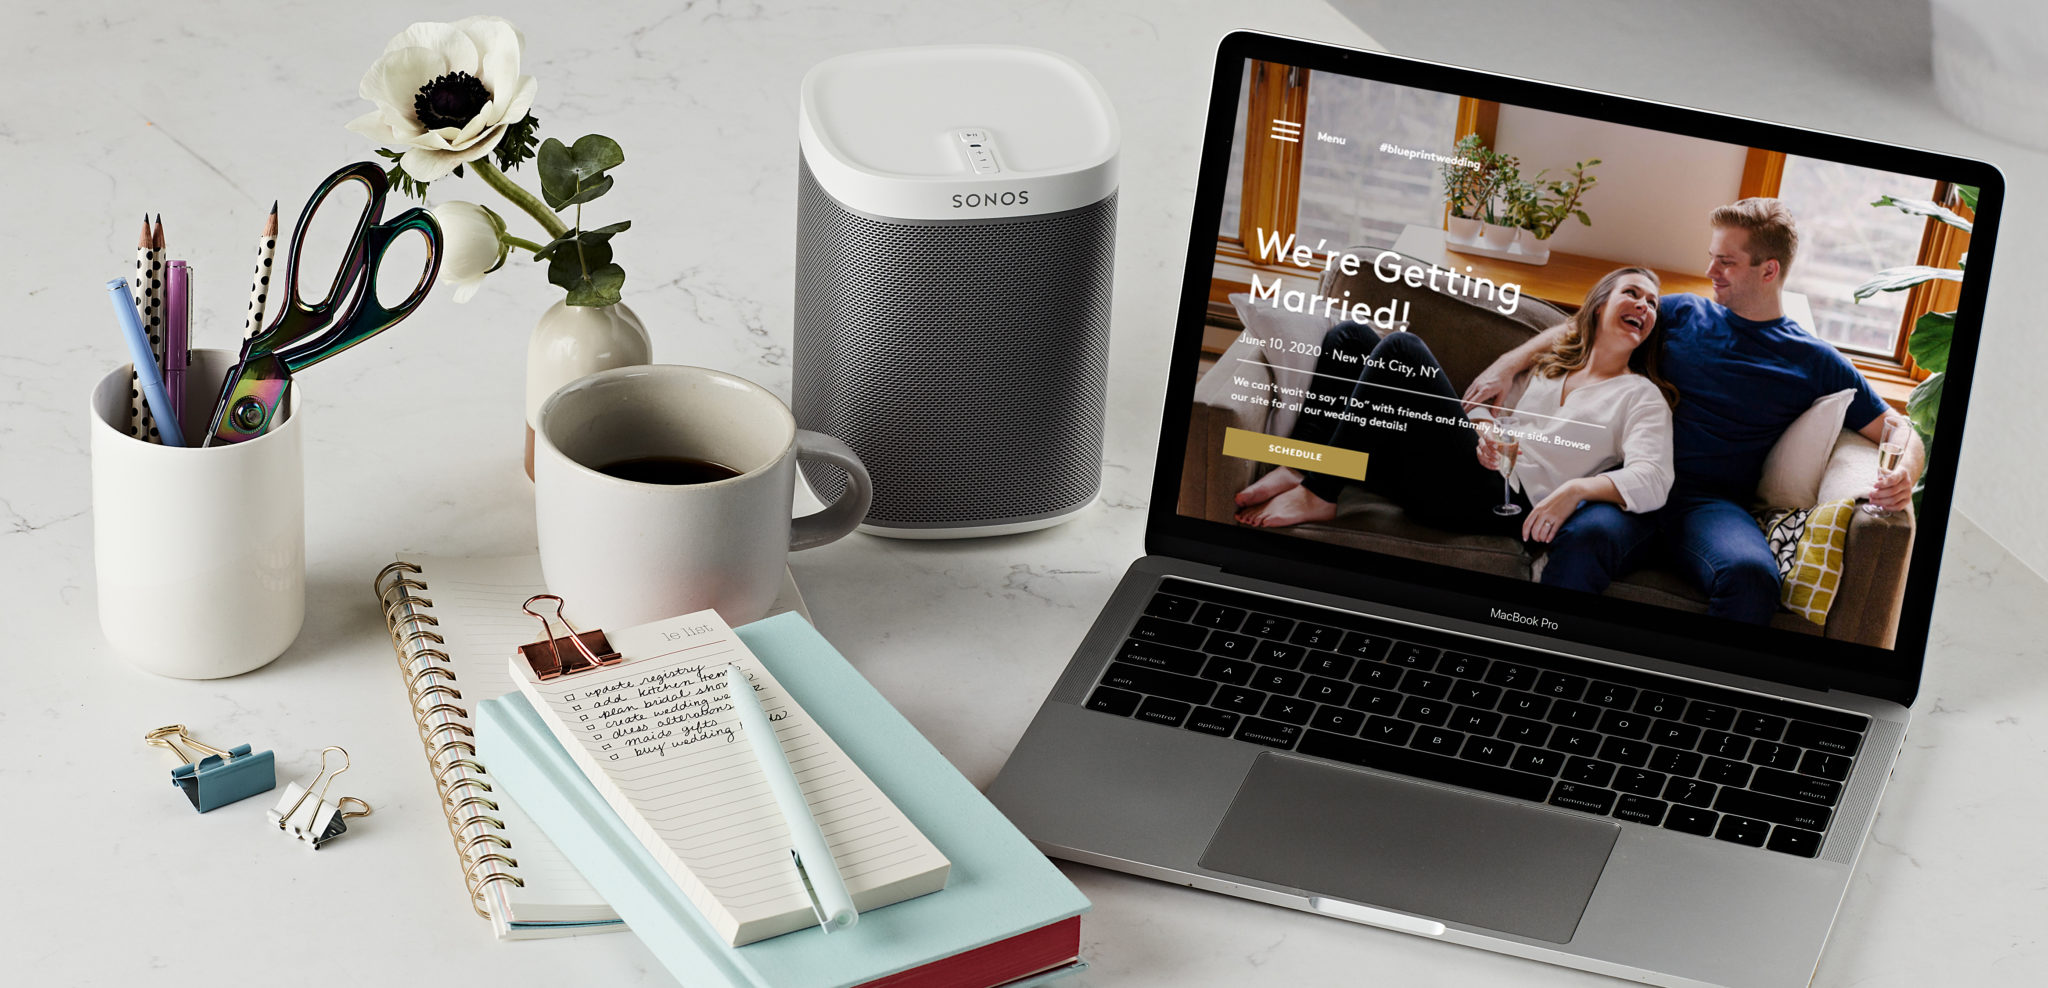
x=956, y=228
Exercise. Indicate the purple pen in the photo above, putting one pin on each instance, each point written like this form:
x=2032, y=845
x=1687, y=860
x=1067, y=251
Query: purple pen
x=177, y=333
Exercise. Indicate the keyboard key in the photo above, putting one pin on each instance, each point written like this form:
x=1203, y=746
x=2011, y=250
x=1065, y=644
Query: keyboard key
x=1374, y=701
x=1413, y=656
x=1710, y=715
x=1277, y=654
x=1376, y=675
x=1423, y=765
x=1210, y=720
x=1111, y=700
x=1320, y=636
x=1831, y=740
x=1387, y=730
x=1530, y=758
x=1675, y=761
x=1169, y=632
x=1271, y=733
x=1475, y=721
x=1722, y=772
x=1691, y=792
x=1160, y=710
x=1278, y=680
x=1327, y=664
x=1724, y=745
x=1231, y=645
x=1635, y=754
x=1519, y=704
x=1219, y=616
x=1138, y=651
x=1586, y=799
x=1824, y=765
x=1673, y=734
x=1475, y=694
x=1587, y=772
x=1422, y=710
x=1641, y=782
x=1237, y=672
x=1463, y=665
x=1510, y=676
x=1758, y=725
x=1774, y=754
x=1558, y=686
x=1239, y=700
x=1429, y=684
x=1659, y=705
x=1438, y=740
x=1157, y=682
x=1492, y=751
x=1641, y=809
x=1772, y=782
x=1171, y=607
x=1792, y=840
x=1521, y=730
x=1359, y=645
x=1740, y=831
x=1792, y=812
x=1573, y=741
x=1692, y=821
x=1324, y=690
x=1287, y=709
x=1580, y=715
x=1268, y=626
x=1622, y=723
x=1337, y=719
x=1612, y=696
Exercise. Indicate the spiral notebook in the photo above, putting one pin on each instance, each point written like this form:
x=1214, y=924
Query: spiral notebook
x=454, y=622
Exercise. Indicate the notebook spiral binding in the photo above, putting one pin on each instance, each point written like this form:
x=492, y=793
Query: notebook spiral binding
x=445, y=733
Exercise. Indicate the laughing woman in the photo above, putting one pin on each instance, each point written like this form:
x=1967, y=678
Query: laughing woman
x=1592, y=427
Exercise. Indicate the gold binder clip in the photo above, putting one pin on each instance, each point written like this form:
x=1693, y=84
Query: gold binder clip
x=590, y=648
x=308, y=815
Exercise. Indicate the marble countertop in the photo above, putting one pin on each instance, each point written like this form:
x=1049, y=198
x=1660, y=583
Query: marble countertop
x=207, y=112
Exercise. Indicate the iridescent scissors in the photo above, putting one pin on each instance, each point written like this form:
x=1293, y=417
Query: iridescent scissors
x=305, y=333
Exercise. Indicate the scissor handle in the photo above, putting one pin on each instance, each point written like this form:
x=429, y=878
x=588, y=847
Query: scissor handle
x=297, y=319
x=367, y=315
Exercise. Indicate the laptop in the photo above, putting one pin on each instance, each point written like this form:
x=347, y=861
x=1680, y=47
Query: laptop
x=1556, y=665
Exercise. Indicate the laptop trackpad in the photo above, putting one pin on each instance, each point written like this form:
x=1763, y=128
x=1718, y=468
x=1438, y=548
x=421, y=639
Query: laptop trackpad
x=1412, y=847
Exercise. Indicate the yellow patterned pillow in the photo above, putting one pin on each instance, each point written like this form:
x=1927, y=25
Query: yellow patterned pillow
x=1807, y=543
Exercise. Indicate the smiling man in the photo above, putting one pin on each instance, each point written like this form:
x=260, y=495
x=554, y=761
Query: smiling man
x=1744, y=372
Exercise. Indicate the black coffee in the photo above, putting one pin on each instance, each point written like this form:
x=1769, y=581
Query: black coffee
x=668, y=470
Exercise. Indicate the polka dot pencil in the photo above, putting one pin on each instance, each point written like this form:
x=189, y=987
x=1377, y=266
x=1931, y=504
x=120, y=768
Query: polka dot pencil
x=148, y=270
x=259, y=283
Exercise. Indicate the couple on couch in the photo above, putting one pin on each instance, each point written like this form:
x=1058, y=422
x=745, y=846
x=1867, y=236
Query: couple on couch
x=1641, y=425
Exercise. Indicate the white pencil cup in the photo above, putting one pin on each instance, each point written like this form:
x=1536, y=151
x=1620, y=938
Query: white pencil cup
x=201, y=552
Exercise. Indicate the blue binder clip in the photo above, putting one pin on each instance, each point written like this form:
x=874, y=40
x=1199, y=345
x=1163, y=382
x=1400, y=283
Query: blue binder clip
x=307, y=815
x=219, y=778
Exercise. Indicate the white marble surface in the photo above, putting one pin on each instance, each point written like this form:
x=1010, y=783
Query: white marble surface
x=208, y=111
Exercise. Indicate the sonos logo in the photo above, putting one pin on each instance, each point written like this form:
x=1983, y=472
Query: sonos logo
x=979, y=200
x=1517, y=617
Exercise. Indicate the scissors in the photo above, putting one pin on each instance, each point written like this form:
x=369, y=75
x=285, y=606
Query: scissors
x=305, y=333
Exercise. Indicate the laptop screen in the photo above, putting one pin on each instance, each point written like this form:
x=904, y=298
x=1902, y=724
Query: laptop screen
x=1575, y=359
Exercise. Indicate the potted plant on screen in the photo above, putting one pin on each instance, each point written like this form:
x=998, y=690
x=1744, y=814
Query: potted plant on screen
x=1540, y=207
x=1466, y=181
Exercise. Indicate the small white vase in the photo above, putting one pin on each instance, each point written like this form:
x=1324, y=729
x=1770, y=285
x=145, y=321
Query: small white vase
x=1498, y=236
x=575, y=341
x=1462, y=229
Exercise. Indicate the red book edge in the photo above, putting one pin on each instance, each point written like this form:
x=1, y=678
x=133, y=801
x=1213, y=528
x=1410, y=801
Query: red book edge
x=995, y=963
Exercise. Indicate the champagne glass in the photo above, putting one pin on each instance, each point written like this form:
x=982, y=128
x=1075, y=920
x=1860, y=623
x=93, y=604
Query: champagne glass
x=1508, y=448
x=1889, y=453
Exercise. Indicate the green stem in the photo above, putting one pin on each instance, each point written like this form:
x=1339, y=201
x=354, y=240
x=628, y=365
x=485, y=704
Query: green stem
x=520, y=197
x=525, y=245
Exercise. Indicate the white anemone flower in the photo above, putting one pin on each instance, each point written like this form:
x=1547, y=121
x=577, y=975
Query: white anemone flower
x=446, y=93
x=470, y=245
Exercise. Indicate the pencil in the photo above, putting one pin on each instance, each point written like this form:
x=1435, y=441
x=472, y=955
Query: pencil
x=259, y=282
x=141, y=423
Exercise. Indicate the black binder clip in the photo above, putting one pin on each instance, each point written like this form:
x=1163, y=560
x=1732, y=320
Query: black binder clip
x=219, y=778
x=588, y=649
x=308, y=815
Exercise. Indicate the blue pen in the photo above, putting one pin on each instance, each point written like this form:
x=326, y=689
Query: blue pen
x=146, y=371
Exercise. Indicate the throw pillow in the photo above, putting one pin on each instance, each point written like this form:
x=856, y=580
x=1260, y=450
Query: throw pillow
x=1793, y=470
x=1807, y=543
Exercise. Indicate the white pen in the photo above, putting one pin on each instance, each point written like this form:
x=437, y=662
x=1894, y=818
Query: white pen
x=814, y=862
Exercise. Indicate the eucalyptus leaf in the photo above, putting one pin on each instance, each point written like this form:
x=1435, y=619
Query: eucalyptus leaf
x=602, y=287
x=1925, y=207
x=1932, y=334
x=571, y=174
x=1902, y=278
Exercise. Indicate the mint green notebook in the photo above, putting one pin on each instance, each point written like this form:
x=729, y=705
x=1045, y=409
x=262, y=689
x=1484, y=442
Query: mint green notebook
x=1000, y=884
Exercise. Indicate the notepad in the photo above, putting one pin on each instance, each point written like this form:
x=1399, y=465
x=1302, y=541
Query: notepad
x=658, y=736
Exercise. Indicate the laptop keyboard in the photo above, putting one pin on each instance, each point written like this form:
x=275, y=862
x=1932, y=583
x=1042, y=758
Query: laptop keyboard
x=1636, y=746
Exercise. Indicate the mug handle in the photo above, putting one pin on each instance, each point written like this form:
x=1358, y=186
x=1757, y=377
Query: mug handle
x=843, y=515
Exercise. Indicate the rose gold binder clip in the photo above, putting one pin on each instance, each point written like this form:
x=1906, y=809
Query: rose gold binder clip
x=548, y=657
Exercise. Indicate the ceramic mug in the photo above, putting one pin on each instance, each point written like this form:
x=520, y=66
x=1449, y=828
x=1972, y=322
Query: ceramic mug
x=200, y=552
x=621, y=552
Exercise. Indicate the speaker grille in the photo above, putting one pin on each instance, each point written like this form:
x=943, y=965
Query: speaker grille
x=964, y=361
